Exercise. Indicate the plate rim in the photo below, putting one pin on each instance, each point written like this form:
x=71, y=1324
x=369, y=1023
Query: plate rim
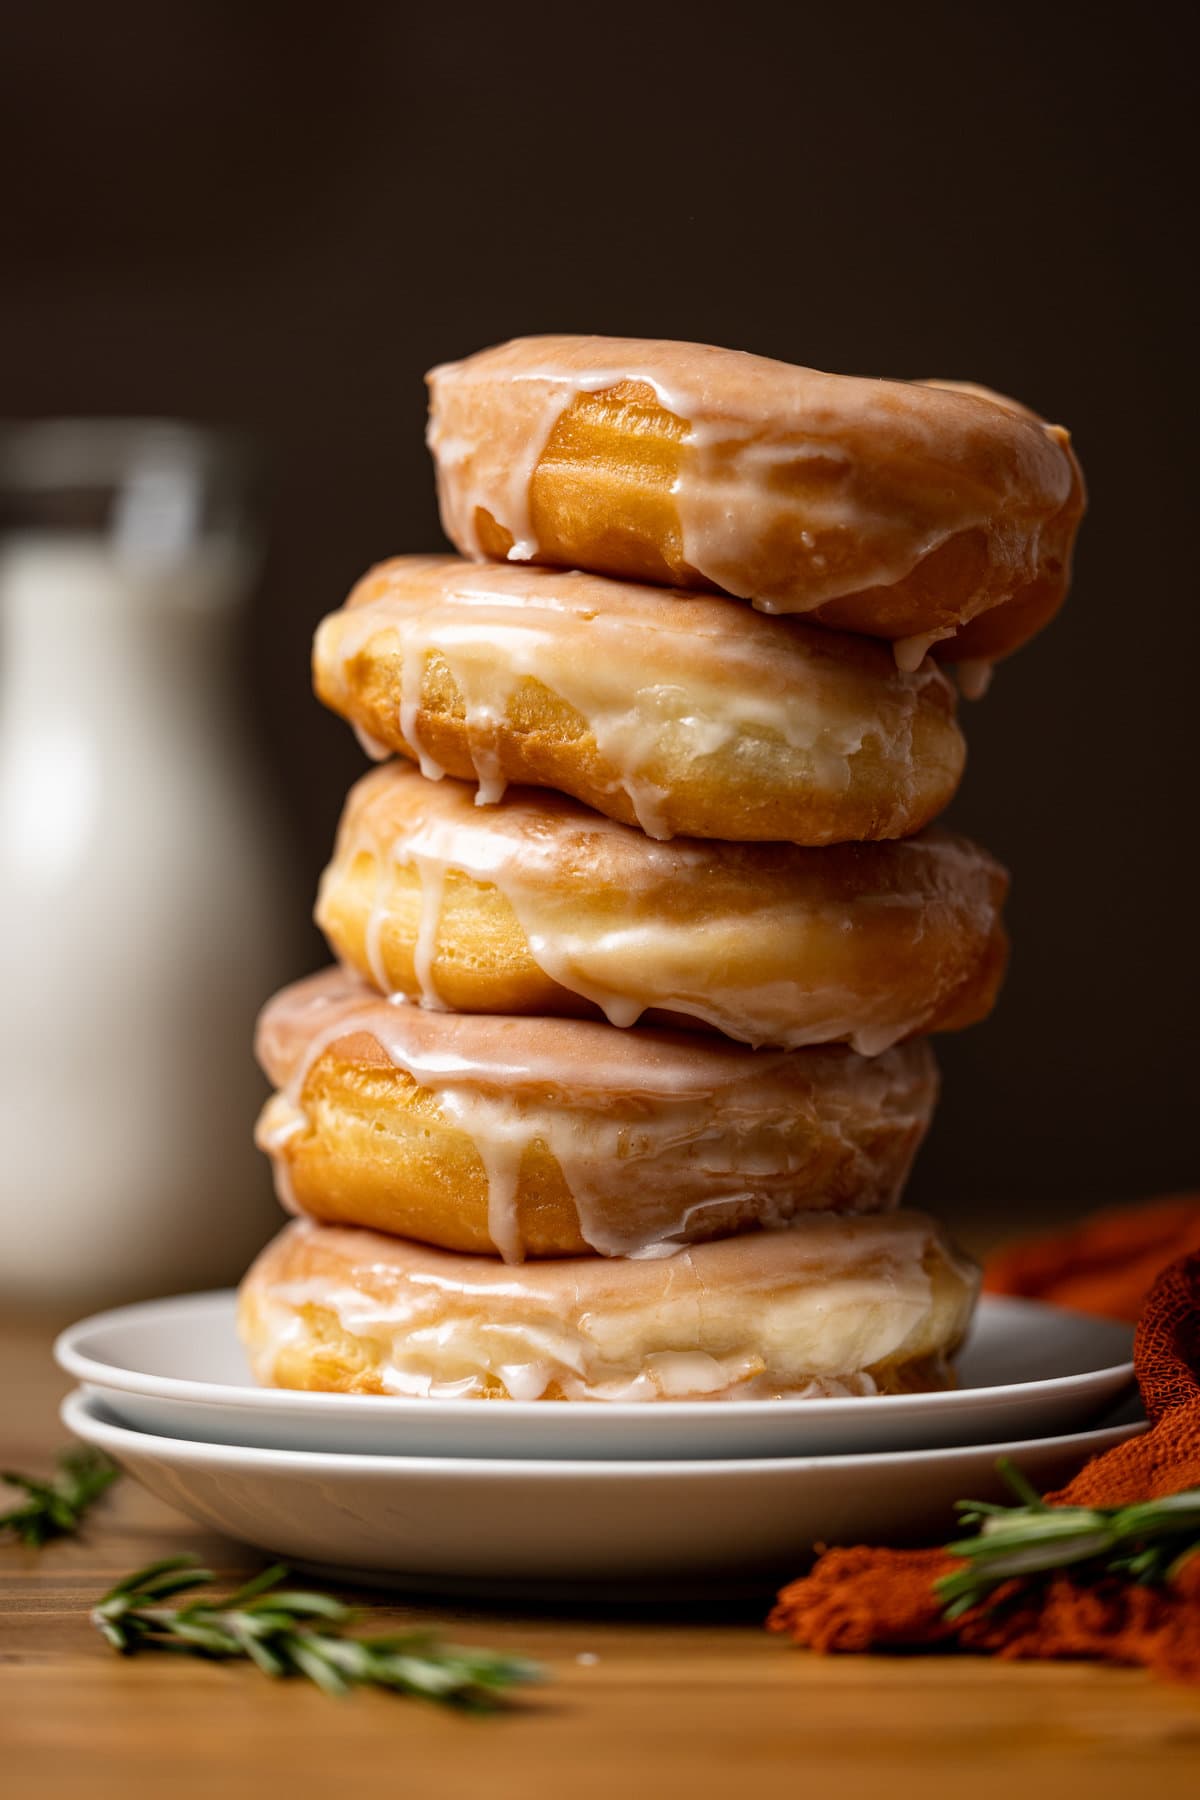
x=347, y=1462
x=183, y=1389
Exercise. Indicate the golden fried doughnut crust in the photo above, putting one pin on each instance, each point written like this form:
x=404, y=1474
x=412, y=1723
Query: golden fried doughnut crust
x=551, y=1137
x=540, y=905
x=684, y=714
x=902, y=510
x=830, y=1306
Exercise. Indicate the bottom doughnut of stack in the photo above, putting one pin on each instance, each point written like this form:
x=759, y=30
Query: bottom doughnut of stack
x=830, y=1306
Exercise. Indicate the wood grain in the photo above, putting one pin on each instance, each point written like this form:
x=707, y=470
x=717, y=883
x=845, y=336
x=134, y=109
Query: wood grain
x=701, y=1707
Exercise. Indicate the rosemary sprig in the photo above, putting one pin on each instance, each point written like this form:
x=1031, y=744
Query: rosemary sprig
x=284, y=1631
x=1147, y=1542
x=55, y=1508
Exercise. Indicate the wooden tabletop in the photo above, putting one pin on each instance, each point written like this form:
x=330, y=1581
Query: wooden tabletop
x=702, y=1706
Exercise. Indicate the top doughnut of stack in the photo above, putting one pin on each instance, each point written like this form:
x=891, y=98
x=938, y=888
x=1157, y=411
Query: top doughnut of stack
x=928, y=513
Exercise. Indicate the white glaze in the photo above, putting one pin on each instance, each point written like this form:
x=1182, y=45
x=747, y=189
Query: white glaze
x=278, y=1123
x=910, y=652
x=974, y=676
x=370, y=746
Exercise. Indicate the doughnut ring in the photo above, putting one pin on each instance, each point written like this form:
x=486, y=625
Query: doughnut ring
x=831, y=1306
x=927, y=513
x=540, y=905
x=554, y=1137
x=678, y=713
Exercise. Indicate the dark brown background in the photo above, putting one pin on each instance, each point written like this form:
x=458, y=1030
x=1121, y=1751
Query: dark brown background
x=255, y=214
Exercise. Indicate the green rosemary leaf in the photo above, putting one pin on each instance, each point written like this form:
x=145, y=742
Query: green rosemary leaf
x=954, y=1605
x=169, y=1587
x=264, y=1657
x=258, y=1584
x=309, y=1606
x=54, y=1509
x=1147, y=1519
x=117, y=1637
x=1145, y=1543
x=205, y=1635
x=307, y=1658
x=285, y=1631
x=29, y=1484
x=1021, y=1486
x=142, y=1581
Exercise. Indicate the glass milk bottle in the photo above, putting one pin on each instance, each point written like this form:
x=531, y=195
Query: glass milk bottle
x=140, y=911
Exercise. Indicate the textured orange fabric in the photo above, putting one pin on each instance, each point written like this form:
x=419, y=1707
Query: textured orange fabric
x=1104, y=1264
x=1166, y=1356
x=875, y=1599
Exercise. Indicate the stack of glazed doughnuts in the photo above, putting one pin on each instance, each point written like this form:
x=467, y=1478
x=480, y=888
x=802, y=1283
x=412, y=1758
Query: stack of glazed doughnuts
x=642, y=923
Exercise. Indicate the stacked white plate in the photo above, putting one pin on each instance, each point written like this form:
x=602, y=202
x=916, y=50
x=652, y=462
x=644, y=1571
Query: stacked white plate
x=486, y=1497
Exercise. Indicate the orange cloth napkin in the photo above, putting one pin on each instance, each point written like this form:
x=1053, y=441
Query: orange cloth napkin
x=876, y=1599
x=1104, y=1264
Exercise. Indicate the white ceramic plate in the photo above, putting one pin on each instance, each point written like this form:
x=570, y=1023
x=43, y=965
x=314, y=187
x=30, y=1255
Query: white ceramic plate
x=486, y=1523
x=176, y=1367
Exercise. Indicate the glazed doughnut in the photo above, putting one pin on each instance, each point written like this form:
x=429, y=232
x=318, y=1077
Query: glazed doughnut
x=552, y=1137
x=679, y=713
x=830, y=1306
x=902, y=510
x=540, y=905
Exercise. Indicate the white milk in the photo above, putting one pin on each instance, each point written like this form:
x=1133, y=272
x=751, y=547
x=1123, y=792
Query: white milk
x=139, y=913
